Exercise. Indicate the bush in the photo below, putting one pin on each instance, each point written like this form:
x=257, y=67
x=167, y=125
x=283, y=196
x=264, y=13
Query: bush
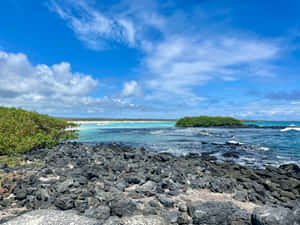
x=207, y=121
x=22, y=131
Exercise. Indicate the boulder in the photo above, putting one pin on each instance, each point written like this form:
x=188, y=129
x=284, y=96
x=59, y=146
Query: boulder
x=293, y=168
x=51, y=217
x=101, y=212
x=64, y=186
x=64, y=202
x=231, y=154
x=148, y=188
x=267, y=215
x=165, y=201
x=123, y=208
x=218, y=213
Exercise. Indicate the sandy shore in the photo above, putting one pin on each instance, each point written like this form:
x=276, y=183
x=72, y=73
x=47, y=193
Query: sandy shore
x=114, y=121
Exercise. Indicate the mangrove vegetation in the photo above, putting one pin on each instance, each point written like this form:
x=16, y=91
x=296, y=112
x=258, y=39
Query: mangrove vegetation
x=208, y=121
x=22, y=130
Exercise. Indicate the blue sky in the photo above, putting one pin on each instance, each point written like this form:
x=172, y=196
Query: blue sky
x=151, y=58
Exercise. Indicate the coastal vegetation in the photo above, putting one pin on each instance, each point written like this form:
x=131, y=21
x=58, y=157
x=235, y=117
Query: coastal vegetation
x=208, y=121
x=22, y=130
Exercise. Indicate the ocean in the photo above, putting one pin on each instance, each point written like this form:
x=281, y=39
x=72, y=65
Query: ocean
x=258, y=147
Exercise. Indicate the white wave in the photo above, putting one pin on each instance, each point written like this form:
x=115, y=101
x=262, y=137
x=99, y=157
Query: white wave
x=218, y=143
x=247, y=158
x=282, y=157
x=232, y=142
x=157, y=132
x=206, y=134
x=264, y=148
x=291, y=127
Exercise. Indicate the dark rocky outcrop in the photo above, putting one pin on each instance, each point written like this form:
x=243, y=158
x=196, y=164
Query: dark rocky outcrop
x=221, y=213
x=273, y=215
x=116, y=184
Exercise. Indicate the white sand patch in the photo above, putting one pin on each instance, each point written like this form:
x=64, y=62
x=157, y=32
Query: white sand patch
x=114, y=121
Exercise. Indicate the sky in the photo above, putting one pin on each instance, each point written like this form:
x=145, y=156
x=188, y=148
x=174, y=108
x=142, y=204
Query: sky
x=151, y=58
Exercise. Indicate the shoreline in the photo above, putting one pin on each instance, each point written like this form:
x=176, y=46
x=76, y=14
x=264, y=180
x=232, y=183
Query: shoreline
x=116, y=121
x=115, y=182
x=158, y=121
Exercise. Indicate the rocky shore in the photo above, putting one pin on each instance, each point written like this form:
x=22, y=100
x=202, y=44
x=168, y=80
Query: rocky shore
x=112, y=184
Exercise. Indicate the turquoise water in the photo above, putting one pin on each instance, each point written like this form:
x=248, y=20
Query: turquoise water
x=260, y=147
x=274, y=123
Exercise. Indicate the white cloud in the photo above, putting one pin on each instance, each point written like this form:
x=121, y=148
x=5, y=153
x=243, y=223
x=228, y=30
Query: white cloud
x=50, y=89
x=183, y=61
x=178, y=55
x=18, y=76
x=131, y=88
x=180, y=64
x=92, y=26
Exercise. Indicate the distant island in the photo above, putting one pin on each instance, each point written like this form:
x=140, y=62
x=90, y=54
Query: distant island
x=209, y=121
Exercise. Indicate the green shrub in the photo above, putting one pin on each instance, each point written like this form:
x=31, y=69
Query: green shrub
x=207, y=121
x=22, y=131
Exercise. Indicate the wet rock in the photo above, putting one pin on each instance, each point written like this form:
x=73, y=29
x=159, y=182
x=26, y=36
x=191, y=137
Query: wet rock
x=270, y=215
x=292, y=168
x=207, y=156
x=231, y=154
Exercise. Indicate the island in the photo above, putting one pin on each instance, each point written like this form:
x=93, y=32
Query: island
x=209, y=121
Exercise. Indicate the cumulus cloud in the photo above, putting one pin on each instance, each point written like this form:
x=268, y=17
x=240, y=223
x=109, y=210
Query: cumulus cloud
x=130, y=89
x=51, y=89
x=19, y=77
